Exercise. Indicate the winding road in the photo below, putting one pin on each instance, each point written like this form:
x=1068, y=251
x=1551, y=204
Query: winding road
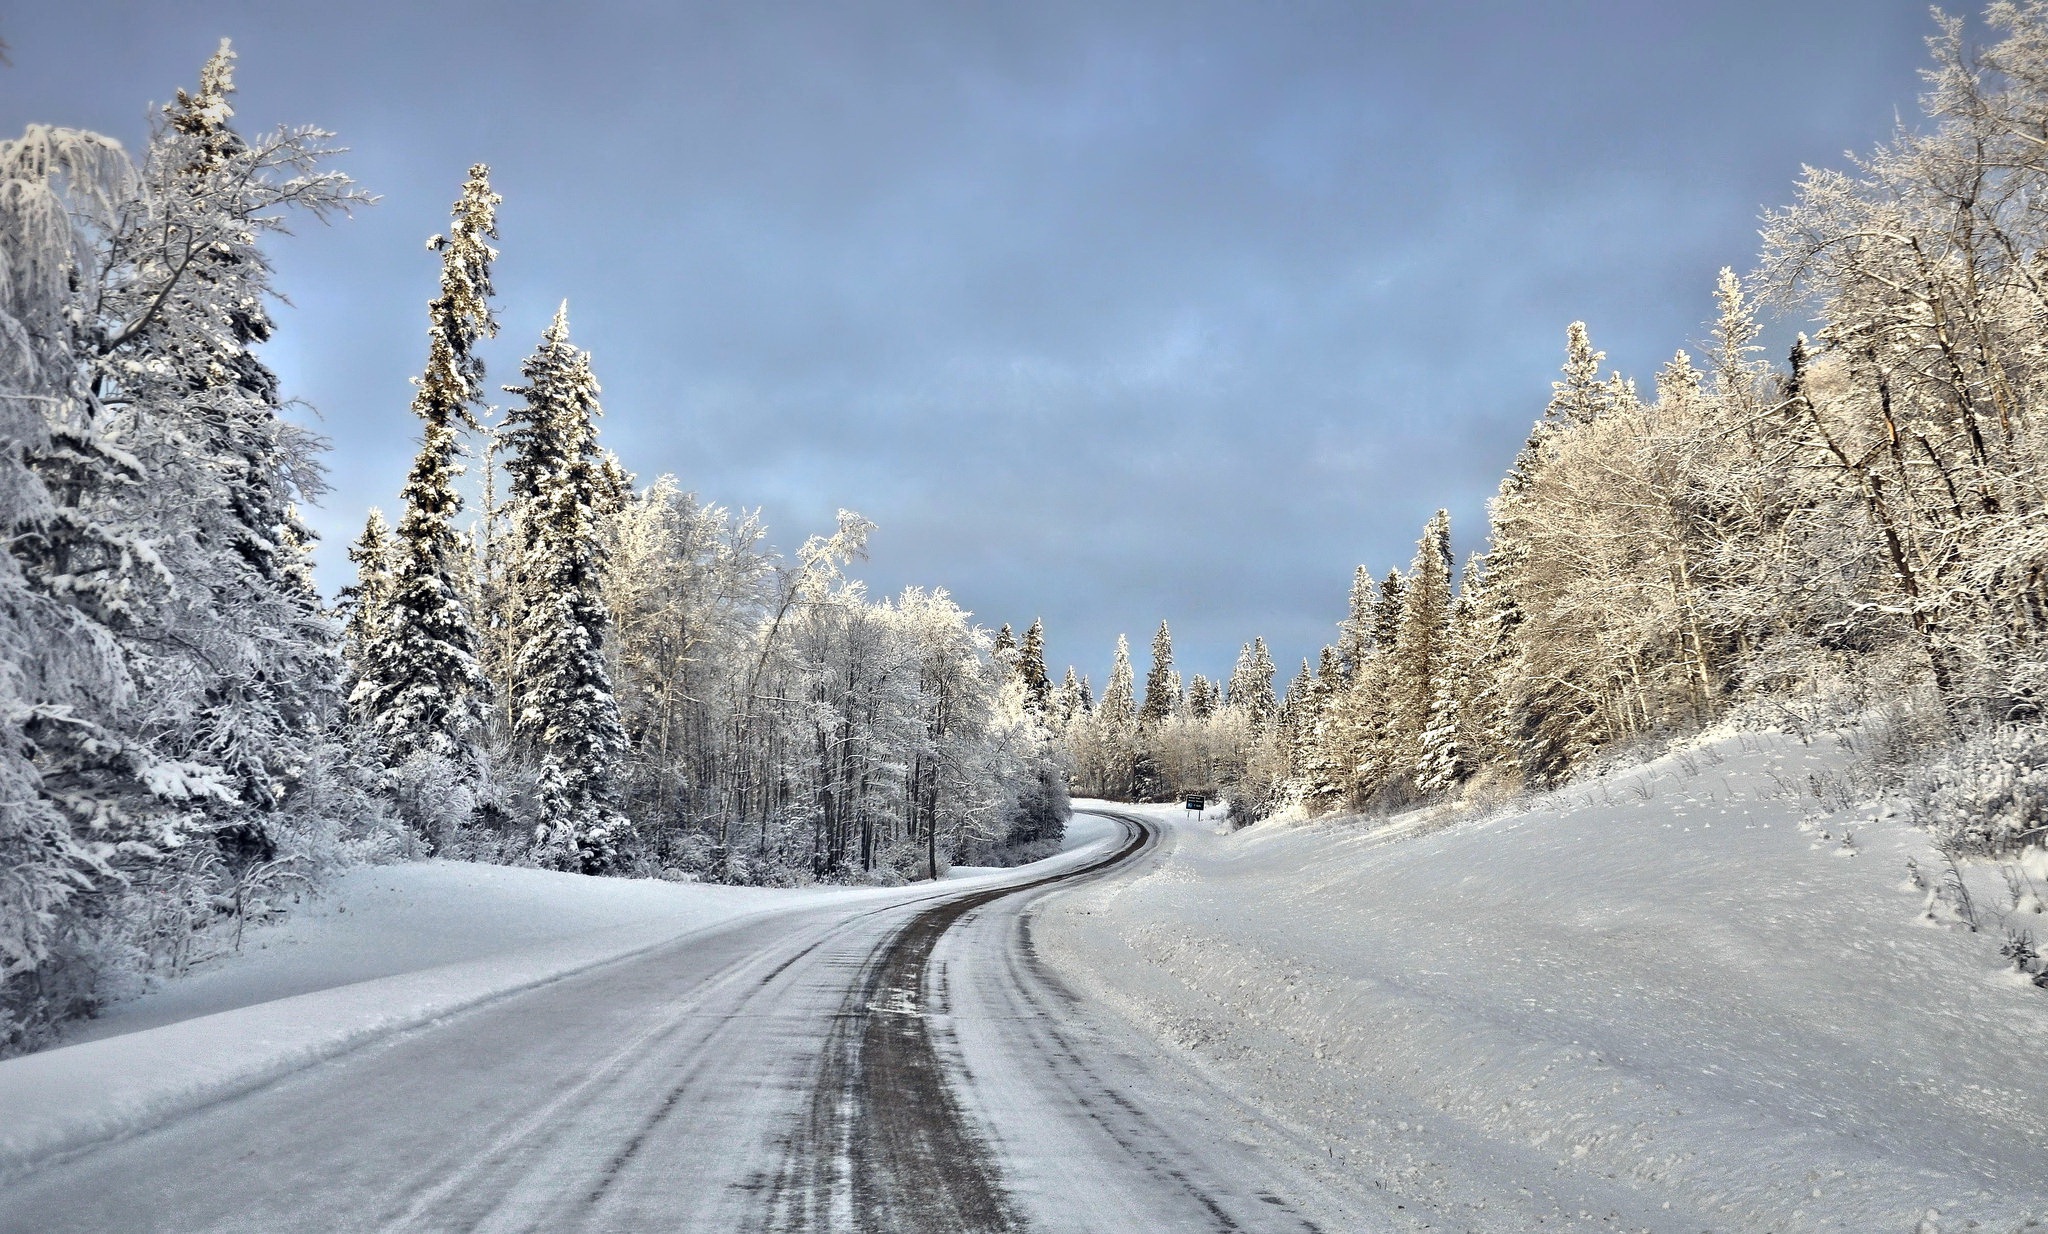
x=908, y=1067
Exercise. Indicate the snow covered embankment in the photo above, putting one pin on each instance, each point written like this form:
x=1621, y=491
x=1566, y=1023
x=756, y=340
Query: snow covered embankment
x=388, y=949
x=1655, y=1002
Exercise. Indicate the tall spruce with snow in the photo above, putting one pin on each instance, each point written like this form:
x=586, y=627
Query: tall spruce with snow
x=566, y=720
x=1162, y=685
x=422, y=692
x=1420, y=660
x=235, y=652
x=1446, y=758
x=1355, y=640
x=1117, y=720
x=365, y=604
x=1581, y=397
x=181, y=671
x=1031, y=670
x=1250, y=689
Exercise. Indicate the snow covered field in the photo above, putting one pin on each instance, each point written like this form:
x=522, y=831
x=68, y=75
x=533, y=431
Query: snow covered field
x=1670, y=1000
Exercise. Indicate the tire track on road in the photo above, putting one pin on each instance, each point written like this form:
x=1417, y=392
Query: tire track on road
x=884, y=1145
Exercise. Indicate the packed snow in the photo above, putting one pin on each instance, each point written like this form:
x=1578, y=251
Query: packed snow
x=1687, y=996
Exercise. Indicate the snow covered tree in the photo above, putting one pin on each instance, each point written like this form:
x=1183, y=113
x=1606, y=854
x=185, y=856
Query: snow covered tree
x=1250, y=689
x=1117, y=722
x=1355, y=634
x=1031, y=670
x=1162, y=690
x=172, y=672
x=1419, y=661
x=422, y=689
x=566, y=719
x=365, y=603
x=1581, y=397
x=1071, y=702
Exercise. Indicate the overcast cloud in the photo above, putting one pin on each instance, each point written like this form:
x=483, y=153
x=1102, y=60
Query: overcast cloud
x=1104, y=312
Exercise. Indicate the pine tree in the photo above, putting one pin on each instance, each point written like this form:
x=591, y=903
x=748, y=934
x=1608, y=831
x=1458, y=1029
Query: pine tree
x=1386, y=613
x=1117, y=719
x=259, y=678
x=1250, y=689
x=565, y=716
x=1581, y=397
x=1202, y=697
x=1069, y=703
x=423, y=690
x=1031, y=667
x=1162, y=691
x=1355, y=634
x=1421, y=645
x=1447, y=757
x=1004, y=652
x=167, y=666
x=365, y=603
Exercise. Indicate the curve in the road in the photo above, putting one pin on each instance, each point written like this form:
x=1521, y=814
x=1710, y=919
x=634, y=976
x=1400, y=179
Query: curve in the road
x=885, y=1145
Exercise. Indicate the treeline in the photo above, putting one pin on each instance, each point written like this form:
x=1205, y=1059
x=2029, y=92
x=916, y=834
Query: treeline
x=606, y=679
x=1859, y=529
x=1192, y=737
x=581, y=673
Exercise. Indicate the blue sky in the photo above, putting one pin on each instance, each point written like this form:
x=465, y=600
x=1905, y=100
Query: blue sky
x=1105, y=312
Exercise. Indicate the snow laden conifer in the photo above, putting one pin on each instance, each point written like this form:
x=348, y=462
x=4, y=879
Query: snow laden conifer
x=1162, y=693
x=1116, y=720
x=1031, y=670
x=1421, y=651
x=204, y=416
x=422, y=691
x=171, y=699
x=1581, y=397
x=566, y=720
x=366, y=603
x=1250, y=689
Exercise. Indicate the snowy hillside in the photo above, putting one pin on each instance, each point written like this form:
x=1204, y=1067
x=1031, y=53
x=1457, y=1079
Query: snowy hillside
x=1670, y=1000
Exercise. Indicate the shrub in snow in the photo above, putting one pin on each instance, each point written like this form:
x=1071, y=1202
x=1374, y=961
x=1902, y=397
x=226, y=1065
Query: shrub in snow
x=2019, y=948
x=1989, y=796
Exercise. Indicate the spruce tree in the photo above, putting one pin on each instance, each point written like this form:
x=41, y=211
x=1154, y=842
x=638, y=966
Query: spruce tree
x=1386, y=613
x=1250, y=689
x=1448, y=758
x=258, y=679
x=1162, y=690
x=365, y=604
x=1031, y=668
x=423, y=690
x=565, y=717
x=1117, y=719
x=1068, y=704
x=1581, y=397
x=1355, y=635
x=1421, y=644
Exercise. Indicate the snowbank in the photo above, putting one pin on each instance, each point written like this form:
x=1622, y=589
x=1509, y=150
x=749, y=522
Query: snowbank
x=387, y=949
x=1672, y=999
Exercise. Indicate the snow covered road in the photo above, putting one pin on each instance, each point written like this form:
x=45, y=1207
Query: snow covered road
x=897, y=1065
